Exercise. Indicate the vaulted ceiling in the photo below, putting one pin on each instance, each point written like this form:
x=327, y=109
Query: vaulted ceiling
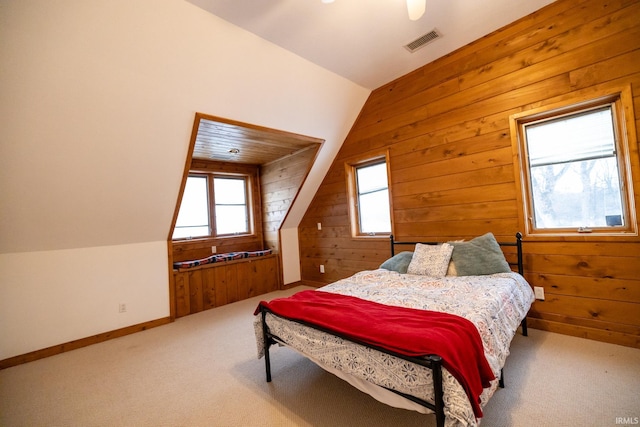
x=364, y=41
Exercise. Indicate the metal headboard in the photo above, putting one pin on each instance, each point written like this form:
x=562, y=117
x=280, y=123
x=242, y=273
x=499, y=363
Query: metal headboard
x=517, y=244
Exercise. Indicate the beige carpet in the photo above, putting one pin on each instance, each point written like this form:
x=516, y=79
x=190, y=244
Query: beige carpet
x=202, y=370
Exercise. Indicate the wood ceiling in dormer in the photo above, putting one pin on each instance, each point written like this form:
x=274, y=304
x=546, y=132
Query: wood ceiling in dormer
x=230, y=141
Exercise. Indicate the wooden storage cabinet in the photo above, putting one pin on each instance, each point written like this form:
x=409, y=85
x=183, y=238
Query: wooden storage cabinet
x=213, y=285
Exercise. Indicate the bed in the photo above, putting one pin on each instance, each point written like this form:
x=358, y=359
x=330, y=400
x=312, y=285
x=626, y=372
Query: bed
x=369, y=329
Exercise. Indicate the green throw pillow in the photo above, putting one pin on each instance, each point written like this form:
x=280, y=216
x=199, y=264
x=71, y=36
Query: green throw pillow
x=479, y=256
x=399, y=262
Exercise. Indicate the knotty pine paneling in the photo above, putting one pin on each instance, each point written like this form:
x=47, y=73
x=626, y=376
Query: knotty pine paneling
x=214, y=285
x=446, y=126
x=280, y=182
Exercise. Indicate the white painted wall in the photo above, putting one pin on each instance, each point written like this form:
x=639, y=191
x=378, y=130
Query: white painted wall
x=290, y=251
x=58, y=296
x=98, y=100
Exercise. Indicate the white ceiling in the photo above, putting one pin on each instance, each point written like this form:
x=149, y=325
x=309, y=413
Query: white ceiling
x=363, y=40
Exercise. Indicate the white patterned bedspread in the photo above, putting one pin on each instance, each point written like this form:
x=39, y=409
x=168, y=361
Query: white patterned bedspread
x=496, y=304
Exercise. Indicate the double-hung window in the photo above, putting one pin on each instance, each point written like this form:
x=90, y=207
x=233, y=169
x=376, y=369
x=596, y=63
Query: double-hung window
x=369, y=195
x=576, y=169
x=214, y=205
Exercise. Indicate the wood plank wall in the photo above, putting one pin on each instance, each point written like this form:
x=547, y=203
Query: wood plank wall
x=280, y=182
x=452, y=172
x=214, y=285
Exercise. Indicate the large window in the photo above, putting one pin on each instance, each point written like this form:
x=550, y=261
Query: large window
x=213, y=205
x=575, y=169
x=369, y=197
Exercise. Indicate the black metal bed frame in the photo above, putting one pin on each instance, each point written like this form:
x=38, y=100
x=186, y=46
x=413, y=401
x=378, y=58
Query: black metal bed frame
x=433, y=361
x=519, y=264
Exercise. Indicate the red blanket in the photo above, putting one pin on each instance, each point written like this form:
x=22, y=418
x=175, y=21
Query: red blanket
x=406, y=331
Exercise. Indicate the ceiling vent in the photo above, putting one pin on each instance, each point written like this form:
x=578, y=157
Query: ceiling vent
x=423, y=40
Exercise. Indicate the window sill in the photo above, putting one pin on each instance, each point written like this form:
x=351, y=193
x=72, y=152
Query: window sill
x=582, y=237
x=199, y=240
x=374, y=237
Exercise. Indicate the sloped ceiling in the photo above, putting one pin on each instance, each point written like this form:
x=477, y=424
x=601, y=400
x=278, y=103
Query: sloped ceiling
x=98, y=103
x=363, y=40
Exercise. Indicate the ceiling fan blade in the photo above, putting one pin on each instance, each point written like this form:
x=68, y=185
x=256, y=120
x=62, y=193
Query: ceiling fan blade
x=416, y=9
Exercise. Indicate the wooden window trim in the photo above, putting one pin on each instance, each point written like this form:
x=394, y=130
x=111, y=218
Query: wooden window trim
x=248, y=203
x=248, y=184
x=621, y=100
x=352, y=193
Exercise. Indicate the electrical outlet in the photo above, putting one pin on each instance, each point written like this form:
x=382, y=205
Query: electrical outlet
x=539, y=292
x=321, y=268
x=122, y=308
x=213, y=249
x=319, y=226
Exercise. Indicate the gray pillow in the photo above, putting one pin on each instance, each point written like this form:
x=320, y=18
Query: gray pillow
x=399, y=262
x=479, y=256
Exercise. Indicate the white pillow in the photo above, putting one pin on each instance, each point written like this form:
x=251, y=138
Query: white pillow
x=430, y=260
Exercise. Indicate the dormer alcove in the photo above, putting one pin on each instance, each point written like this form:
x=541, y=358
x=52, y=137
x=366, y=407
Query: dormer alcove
x=272, y=165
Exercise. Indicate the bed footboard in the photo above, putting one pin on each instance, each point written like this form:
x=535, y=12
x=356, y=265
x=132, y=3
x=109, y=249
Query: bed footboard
x=433, y=362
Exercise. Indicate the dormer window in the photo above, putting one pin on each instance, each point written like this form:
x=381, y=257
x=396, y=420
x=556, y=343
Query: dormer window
x=214, y=205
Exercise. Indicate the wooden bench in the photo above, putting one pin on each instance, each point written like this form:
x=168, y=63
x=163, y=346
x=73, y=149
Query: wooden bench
x=210, y=285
